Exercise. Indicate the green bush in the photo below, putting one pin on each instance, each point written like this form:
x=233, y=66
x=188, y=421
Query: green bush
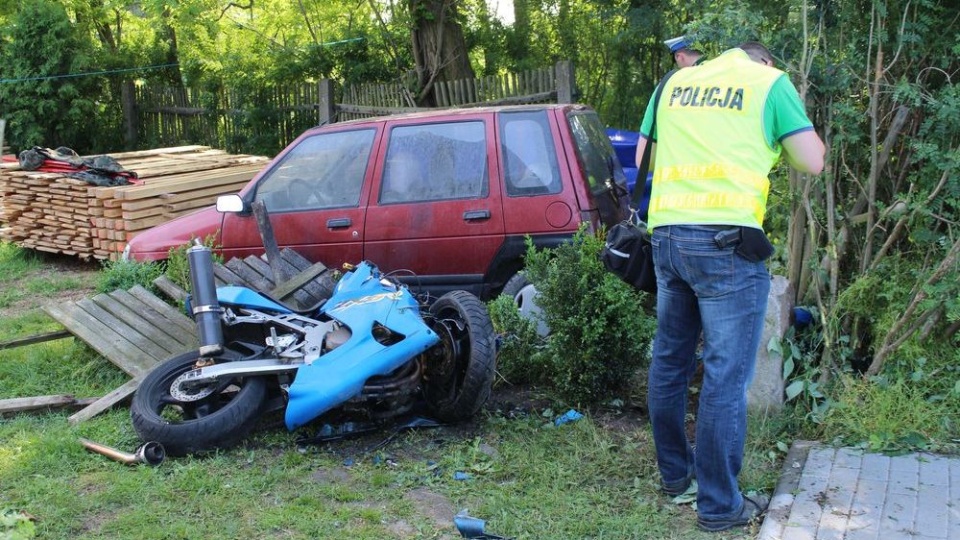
x=178, y=269
x=599, y=331
x=125, y=274
x=520, y=357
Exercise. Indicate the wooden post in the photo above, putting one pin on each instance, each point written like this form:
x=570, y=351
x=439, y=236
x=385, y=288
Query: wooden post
x=566, y=83
x=328, y=109
x=269, y=241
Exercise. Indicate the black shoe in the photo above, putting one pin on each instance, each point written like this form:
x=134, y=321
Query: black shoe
x=754, y=506
x=674, y=489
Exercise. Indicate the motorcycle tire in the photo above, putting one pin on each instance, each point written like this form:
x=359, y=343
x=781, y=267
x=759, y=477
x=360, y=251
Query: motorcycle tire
x=218, y=420
x=459, y=371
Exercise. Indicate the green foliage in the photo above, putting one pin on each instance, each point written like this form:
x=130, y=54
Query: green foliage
x=599, y=331
x=521, y=355
x=891, y=418
x=804, y=390
x=125, y=274
x=177, y=266
x=16, y=261
x=56, y=110
x=16, y=526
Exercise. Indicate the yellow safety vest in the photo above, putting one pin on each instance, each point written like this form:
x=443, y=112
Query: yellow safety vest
x=712, y=155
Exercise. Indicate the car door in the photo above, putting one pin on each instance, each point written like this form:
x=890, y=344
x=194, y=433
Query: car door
x=539, y=198
x=434, y=211
x=315, y=193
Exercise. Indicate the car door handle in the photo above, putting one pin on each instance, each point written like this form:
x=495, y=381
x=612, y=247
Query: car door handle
x=338, y=223
x=473, y=215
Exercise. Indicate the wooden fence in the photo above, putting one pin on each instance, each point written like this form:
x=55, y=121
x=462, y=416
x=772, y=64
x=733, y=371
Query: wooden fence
x=266, y=120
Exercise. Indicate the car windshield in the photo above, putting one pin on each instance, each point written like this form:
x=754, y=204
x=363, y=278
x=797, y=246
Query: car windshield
x=323, y=171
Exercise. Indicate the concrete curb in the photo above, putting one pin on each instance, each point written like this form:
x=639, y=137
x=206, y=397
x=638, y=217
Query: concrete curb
x=775, y=521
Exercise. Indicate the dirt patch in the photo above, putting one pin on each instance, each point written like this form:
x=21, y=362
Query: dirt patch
x=55, y=269
x=433, y=506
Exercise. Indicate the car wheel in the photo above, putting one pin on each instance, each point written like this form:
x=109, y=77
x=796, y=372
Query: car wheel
x=525, y=294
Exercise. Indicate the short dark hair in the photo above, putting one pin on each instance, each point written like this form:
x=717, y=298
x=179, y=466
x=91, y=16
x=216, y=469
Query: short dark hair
x=758, y=52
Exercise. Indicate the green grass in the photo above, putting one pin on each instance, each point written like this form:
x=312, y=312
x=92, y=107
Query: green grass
x=893, y=417
x=28, y=277
x=527, y=478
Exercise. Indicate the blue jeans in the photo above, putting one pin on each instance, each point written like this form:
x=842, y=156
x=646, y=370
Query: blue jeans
x=703, y=287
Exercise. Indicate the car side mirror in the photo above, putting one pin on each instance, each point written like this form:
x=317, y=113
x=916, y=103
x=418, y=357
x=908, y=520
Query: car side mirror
x=232, y=204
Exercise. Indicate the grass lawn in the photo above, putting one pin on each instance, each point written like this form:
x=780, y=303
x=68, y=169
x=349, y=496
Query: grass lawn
x=511, y=466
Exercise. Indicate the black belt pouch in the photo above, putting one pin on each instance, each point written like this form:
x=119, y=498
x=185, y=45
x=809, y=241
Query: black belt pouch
x=754, y=245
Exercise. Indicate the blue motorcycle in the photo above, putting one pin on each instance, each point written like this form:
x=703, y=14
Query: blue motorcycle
x=371, y=347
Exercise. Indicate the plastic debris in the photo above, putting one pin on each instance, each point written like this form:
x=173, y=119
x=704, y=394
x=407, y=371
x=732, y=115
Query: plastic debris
x=460, y=475
x=329, y=432
x=802, y=318
x=567, y=417
x=471, y=527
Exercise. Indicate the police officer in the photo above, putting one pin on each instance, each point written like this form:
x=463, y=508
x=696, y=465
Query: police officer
x=720, y=128
x=683, y=54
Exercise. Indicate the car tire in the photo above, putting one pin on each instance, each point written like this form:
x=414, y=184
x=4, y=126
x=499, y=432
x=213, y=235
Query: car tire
x=525, y=294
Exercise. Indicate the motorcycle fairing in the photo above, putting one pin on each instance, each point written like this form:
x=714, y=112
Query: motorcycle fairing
x=248, y=298
x=360, y=300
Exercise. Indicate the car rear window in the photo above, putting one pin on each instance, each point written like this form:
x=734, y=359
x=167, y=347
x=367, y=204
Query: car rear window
x=594, y=151
x=529, y=157
x=428, y=162
x=322, y=171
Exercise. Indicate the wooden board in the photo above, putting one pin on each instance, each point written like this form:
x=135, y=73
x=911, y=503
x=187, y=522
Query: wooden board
x=41, y=403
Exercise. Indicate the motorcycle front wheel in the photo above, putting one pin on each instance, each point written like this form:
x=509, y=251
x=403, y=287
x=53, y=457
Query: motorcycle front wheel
x=206, y=418
x=458, y=372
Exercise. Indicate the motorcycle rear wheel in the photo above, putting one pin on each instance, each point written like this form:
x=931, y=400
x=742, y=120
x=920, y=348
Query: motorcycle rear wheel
x=459, y=371
x=217, y=420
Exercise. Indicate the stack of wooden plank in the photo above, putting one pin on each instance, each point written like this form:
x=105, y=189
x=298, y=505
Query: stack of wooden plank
x=55, y=213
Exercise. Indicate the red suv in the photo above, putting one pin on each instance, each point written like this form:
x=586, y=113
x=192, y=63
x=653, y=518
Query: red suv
x=444, y=198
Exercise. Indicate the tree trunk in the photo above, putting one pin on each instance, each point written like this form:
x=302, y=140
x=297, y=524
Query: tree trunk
x=128, y=103
x=439, y=48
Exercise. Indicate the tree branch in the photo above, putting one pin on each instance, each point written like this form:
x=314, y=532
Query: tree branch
x=892, y=341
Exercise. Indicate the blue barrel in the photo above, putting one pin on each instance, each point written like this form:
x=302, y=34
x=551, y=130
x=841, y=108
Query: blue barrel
x=625, y=145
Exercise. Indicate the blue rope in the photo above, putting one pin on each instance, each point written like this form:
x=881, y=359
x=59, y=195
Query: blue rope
x=72, y=75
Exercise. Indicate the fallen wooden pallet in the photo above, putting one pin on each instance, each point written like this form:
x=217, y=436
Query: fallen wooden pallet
x=135, y=330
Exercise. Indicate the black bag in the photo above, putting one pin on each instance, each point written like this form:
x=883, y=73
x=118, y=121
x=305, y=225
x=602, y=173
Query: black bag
x=628, y=254
x=627, y=251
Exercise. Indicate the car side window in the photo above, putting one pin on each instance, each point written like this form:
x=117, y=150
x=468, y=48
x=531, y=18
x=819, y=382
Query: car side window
x=530, y=159
x=322, y=171
x=428, y=162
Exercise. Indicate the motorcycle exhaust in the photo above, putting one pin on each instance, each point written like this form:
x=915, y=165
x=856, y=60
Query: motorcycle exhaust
x=206, y=308
x=150, y=453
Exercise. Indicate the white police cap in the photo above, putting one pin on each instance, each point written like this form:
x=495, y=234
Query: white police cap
x=677, y=43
